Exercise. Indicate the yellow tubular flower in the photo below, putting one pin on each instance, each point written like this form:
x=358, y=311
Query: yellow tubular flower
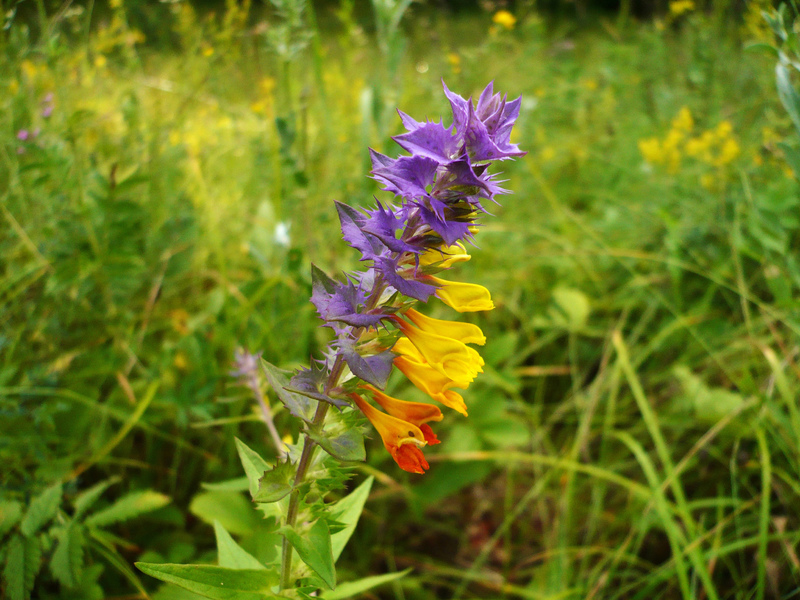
x=412, y=364
x=452, y=358
x=463, y=297
x=446, y=256
x=416, y=413
x=402, y=439
x=466, y=332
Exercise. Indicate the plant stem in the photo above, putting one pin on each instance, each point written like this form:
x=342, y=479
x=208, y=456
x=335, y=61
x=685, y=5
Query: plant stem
x=308, y=443
x=294, y=497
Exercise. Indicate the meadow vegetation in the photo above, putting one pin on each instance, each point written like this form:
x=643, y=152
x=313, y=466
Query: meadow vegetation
x=167, y=176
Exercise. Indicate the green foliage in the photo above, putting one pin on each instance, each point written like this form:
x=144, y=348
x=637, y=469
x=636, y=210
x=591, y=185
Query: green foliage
x=313, y=544
x=218, y=583
x=68, y=539
x=167, y=211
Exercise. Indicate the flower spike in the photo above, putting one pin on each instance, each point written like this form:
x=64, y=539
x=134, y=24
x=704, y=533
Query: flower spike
x=440, y=189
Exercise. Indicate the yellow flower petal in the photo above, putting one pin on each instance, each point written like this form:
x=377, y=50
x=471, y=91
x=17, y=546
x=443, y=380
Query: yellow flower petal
x=450, y=357
x=465, y=332
x=463, y=297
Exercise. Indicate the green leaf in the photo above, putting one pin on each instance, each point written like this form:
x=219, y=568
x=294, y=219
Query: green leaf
x=341, y=437
x=276, y=483
x=23, y=560
x=347, y=511
x=763, y=47
x=232, y=555
x=129, y=506
x=792, y=157
x=239, y=484
x=10, y=513
x=231, y=509
x=353, y=588
x=300, y=406
x=86, y=499
x=254, y=465
x=217, y=583
x=315, y=549
x=67, y=561
x=42, y=509
x=787, y=94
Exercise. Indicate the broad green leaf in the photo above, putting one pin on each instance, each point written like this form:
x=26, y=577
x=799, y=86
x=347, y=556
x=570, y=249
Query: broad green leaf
x=67, y=560
x=571, y=309
x=254, y=465
x=232, y=555
x=10, y=513
x=23, y=560
x=129, y=506
x=236, y=513
x=214, y=582
x=347, y=511
x=276, y=483
x=86, y=499
x=315, y=549
x=353, y=588
x=239, y=484
x=300, y=406
x=41, y=510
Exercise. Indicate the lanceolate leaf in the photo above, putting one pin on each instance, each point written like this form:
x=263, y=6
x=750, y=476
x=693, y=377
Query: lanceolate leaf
x=67, y=560
x=217, y=583
x=300, y=406
x=275, y=483
x=86, y=499
x=347, y=511
x=23, y=560
x=42, y=509
x=254, y=465
x=127, y=507
x=353, y=588
x=230, y=554
x=314, y=547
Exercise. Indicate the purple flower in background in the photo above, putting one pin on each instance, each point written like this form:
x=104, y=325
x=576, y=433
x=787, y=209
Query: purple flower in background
x=47, y=105
x=23, y=135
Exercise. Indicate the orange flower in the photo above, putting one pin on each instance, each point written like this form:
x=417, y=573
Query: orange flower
x=416, y=413
x=413, y=365
x=402, y=439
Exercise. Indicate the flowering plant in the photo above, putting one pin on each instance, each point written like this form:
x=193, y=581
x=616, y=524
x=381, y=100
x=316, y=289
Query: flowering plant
x=440, y=189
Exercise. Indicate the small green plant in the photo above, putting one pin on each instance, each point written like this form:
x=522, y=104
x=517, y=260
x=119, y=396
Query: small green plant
x=70, y=537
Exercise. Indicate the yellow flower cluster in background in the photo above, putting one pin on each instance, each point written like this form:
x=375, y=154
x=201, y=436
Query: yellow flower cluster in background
x=680, y=7
x=717, y=148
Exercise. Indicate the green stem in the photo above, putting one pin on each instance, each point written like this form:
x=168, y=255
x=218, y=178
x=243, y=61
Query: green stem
x=308, y=444
x=294, y=497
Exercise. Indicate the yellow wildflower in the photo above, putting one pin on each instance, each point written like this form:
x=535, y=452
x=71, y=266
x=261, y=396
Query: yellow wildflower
x=504, y=19
x=463, y=297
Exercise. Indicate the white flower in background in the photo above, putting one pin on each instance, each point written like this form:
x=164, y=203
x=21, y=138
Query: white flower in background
x=282, y=234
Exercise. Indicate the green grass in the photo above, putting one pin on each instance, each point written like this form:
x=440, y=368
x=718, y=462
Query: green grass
x=635, y=434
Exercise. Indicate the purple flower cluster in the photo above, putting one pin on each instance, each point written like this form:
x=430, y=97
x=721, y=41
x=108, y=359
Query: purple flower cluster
x=440, y=189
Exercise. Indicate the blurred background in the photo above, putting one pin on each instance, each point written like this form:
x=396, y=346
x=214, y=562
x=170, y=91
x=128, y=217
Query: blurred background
x=167, y=175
